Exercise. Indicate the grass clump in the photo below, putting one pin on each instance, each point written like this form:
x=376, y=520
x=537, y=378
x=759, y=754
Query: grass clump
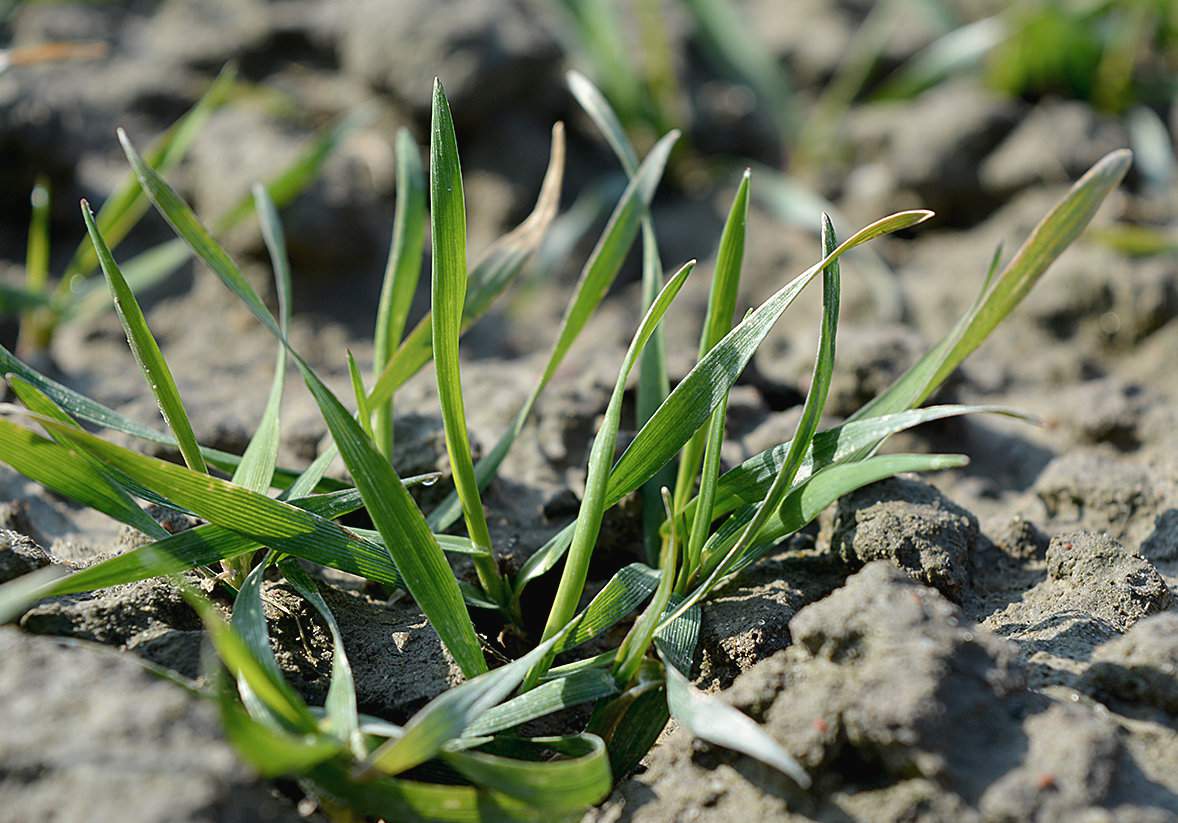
x=458, y=758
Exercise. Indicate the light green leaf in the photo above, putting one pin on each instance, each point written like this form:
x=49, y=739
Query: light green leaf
x=66, y=471
x=550, y=696
x=273, y=752
x=265, y=521
x=363, y=412
x=343, y=721
x=448, y=237
x=711, y=719
x=448, y=715
x=572, y=783
x=146, y=350
x=1054, y=233
x=256, y=470
x=402, y=272
x=411, y=800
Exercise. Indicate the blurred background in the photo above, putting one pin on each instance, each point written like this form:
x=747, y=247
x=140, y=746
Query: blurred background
x=982, y=111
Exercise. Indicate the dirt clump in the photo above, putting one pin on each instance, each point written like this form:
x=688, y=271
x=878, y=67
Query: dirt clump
x=1094, y=589
x=901, y=709
x=910, y=523
x=91, y=735
x=19, y=555
x=1140, y=667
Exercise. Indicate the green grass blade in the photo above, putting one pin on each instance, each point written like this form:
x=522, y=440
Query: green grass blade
x=266, y=521
x=717, y=323
x=68, y=473
x=363, y=412
x=186, y=225
x=547, y=698
x=604, y=117
x=593, y=505
x=708, y=483
x=569, y=784
x=448, y=237
x=272, y=752
x=84, y=408
x=611, y=249
x=710, y=718
x=202, y=546
x=402, y=273
x=448, y=715
x=256, y=470
x=39, y=403
x=750, y=481
x=676, y=639
x=416, y=802
x=653, y=382
x=238, y=656
x=342, y=719
x=653, y=387
x=146, y=350
x=633, y=649
x=625, y=591
x=497, y=268
x=36, y=256
x=1054, y=233
x=248, y=620
x=407, y=537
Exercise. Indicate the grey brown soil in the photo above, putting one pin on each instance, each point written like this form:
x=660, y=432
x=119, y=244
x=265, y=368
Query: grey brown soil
x=992, y=644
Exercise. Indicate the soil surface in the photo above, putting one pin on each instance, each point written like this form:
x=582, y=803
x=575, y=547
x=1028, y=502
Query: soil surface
x=998, y=643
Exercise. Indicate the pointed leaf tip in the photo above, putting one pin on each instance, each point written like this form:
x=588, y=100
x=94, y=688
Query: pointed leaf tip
x=1115, y=163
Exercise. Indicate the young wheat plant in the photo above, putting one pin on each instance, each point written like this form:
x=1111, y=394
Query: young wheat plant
x=460, y=757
